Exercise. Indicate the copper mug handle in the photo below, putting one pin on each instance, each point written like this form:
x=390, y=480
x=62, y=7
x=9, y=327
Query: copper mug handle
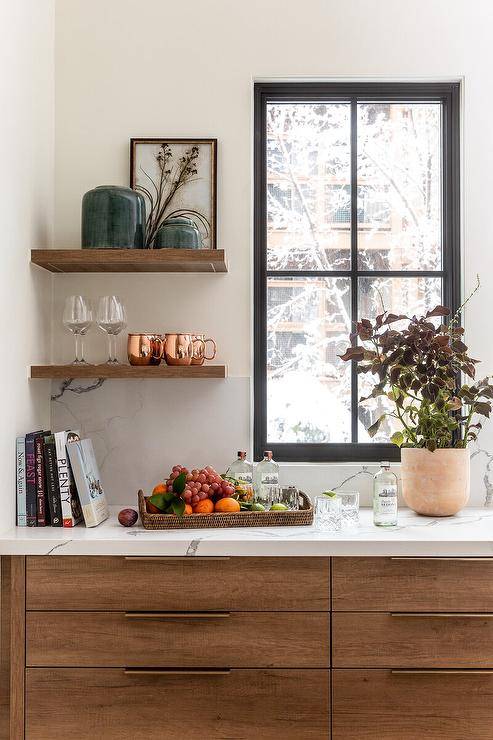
x=200, y=352
x=214, y=348
x=161, y=348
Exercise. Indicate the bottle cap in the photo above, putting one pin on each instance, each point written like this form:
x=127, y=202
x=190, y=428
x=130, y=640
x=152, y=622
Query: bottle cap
x=268, y=453
x=241, y=454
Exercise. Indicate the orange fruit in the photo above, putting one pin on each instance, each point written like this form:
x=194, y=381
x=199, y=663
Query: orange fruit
x=160, y=488
x=204, y=507
x=188, y=509
x=227, y=505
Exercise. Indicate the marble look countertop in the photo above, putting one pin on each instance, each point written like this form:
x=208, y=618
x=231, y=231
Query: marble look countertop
x=468, y=534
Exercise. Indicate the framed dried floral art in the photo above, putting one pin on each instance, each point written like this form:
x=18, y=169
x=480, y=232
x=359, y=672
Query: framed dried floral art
x=177, y=178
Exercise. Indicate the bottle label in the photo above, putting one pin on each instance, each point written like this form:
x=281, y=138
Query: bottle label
x=245, y=477
x=386, y=500
x=269, y=479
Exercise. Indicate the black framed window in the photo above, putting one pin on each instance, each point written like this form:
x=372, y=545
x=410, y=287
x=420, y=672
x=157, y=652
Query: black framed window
x=356, y=206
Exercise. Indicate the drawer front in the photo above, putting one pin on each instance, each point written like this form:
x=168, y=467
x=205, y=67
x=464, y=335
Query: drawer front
x=427, y=640
x=107, y=703
x=411, y=584
x=237, y=639
x=381, y=705
x=177, y=584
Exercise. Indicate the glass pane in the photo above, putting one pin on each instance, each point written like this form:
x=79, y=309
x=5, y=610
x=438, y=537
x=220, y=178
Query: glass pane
x=308, y=186
x=400, y=295
x=399, y=186
x=308, y=386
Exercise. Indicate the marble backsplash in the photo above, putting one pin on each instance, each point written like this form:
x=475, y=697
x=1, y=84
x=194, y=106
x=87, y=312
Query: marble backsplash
x=140, y=429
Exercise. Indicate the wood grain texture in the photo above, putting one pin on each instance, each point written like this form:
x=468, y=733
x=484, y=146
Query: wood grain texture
x=386, y=584
x=12, y=647
x=380, y=705
x=106, y=703
x=237, y=584
x=130, y=260
x=240, y=640
x=128, y=372
x=378, y=640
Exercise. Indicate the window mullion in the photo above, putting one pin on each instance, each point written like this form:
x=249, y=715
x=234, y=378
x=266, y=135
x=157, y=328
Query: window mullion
x=354, y=261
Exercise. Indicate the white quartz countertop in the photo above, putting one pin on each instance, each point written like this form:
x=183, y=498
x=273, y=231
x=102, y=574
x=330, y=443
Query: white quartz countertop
x=468, y=534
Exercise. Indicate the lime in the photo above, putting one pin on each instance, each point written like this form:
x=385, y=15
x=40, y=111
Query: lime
x=332, y=494
x=278, y=507
x=257, y=507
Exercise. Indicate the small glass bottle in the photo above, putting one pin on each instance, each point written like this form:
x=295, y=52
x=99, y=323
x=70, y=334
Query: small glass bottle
x=266, y=475
x=385, y=497
x=241, y=468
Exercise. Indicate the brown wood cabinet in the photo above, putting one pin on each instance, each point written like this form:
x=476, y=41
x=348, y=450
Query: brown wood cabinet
x=240, y=648
x=111, y=704
x=189, y=640
x=392, y=705
x=177, y=584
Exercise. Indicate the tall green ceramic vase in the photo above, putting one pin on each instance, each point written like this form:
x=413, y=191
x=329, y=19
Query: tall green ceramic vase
x=113, y=217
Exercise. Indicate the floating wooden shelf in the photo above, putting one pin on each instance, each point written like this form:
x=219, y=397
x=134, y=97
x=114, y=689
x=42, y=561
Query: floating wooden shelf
x=130, y=260
x=66, y=372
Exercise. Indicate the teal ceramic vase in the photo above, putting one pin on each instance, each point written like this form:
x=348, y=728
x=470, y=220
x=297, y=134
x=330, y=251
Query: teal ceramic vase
x=113, y=217
x=178, y=232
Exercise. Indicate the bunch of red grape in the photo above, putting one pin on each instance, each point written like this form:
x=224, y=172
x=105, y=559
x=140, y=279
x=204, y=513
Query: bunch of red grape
x=201, y=484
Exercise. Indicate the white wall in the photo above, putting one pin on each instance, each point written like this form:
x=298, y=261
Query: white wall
x=153, y=68
x=26, y=218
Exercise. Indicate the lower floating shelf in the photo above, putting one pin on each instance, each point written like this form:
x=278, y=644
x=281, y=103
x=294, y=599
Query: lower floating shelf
x=127, y=372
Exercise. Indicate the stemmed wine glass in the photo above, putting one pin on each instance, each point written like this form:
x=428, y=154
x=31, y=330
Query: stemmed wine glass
x=77, y=317
x=111, y=318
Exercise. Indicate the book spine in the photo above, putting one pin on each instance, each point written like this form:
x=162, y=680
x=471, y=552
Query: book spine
x=40, y=482
x=71, y=512
x=21, y=481
x=31, y=504
x=52, y=489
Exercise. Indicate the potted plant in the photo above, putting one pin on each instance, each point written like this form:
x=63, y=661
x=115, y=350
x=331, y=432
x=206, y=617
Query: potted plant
x=418, y=369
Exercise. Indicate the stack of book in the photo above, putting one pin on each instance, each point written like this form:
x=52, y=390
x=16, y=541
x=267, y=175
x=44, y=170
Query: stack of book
x=58, y=481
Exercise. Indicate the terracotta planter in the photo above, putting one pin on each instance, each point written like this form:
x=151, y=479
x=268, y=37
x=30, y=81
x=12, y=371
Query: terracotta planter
x=435, y=483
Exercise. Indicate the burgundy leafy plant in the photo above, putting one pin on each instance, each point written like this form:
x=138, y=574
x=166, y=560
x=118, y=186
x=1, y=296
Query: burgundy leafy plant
x=418, y=368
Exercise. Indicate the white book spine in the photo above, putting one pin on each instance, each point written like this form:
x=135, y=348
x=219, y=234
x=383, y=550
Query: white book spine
x=65, y=481
x=20, y=453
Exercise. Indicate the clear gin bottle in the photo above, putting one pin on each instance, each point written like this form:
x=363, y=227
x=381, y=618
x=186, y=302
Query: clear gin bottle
x=385, y=497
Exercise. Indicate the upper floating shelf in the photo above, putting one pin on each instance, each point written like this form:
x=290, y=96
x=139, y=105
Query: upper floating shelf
x=130, y=260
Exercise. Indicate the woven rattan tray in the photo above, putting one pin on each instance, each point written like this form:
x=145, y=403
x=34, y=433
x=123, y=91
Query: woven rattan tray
x=301, y=518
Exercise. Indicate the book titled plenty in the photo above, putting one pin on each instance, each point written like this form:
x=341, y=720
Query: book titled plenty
x=71, y=512
x=88, y=481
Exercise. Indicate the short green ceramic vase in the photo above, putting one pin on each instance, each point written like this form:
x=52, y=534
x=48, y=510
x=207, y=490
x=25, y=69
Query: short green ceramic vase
x=178, y=233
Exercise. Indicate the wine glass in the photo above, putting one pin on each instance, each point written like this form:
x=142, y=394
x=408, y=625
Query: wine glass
x=77, y=317
x=111, y=318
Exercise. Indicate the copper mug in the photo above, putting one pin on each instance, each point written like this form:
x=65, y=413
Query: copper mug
x=200, y=354
x=145, y=349
x=180, y=348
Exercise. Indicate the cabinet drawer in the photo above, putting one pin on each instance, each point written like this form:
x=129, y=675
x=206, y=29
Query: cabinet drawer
x=411, y=584
x=427, y=640
x=382, y=705
x=107, y=703
x=236, y=639
x=177, y=584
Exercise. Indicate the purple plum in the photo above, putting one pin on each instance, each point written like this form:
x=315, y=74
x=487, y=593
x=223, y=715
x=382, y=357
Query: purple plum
x=127, y=517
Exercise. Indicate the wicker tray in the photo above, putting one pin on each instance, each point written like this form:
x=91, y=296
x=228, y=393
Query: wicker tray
x=301, y=518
